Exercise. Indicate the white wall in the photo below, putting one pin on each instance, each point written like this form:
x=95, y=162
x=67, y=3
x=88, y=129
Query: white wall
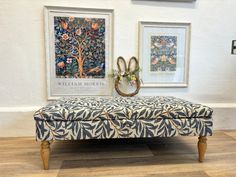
x=212, y=68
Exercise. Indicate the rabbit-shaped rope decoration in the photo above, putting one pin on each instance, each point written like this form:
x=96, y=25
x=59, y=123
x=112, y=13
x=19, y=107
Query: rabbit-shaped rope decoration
x=131, y=74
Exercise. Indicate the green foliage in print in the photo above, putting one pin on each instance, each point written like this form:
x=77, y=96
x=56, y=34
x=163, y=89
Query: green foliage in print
x=79, y=47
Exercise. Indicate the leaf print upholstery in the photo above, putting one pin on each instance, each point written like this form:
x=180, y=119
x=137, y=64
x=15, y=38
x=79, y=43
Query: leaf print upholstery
x=119, y=117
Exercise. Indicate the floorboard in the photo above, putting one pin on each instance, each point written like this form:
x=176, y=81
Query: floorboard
x=162, y=157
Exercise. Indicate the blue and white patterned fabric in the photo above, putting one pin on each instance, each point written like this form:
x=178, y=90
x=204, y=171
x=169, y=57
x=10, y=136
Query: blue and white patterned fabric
x=121, y=117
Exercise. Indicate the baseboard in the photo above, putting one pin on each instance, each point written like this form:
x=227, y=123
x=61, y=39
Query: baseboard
x=220, y=105
x=224, y=118
x=19, y=109
x=14, y=124
x=18, y=121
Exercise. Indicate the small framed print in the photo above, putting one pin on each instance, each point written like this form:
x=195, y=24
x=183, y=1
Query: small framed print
x=164, y=54
x=78, y=51
x=170, y=0
x=233, y=50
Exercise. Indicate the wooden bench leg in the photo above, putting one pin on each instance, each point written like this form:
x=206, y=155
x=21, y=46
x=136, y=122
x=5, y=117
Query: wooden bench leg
x=45, y=153
x=202, y=146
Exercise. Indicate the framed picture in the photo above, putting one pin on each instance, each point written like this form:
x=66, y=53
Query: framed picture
x=164, y=54
x=170, y=0
x=79, y=51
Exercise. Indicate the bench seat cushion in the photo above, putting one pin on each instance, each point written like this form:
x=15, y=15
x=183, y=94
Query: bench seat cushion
x=119, y=108
x=118, y=117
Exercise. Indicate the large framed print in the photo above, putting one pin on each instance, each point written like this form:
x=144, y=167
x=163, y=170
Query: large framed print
x=164, y=54
x=79, y=51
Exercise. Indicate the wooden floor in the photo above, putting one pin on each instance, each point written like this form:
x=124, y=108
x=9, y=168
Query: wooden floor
x=161, y=157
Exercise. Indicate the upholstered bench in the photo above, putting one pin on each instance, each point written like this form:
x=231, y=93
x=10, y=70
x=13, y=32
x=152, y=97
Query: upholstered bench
x=121, y=117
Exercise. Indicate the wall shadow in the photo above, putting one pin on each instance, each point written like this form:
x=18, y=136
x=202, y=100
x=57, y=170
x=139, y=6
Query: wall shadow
x=158, y=3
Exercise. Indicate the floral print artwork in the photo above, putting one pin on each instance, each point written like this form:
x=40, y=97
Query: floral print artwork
x=79, y=47
x=163, y=53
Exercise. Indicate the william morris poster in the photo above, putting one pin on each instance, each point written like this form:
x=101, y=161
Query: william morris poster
x=79, y=51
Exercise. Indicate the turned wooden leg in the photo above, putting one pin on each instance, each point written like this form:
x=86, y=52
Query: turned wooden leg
x=202, y=146
x=45, y=152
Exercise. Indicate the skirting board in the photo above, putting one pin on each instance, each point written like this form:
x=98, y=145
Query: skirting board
x=19, y=122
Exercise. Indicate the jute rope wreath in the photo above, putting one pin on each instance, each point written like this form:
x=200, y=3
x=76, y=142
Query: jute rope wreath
x=128, y=73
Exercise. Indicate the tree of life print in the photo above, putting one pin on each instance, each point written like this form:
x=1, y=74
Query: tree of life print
x=79, y=47
x=163, y=53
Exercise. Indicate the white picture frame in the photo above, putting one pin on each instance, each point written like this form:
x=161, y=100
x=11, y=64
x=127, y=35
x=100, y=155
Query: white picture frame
x=170, y=0
x=78, y=68
x=164, y=53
